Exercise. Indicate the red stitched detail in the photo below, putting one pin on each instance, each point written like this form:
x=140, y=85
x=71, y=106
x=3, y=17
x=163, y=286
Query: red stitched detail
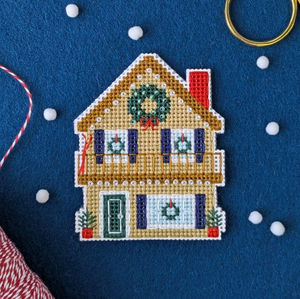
x=198, y=87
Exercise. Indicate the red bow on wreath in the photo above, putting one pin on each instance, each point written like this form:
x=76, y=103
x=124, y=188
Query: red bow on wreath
x=86, y=146
x=149, y=122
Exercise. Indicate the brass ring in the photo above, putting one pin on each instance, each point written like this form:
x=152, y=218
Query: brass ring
x=262, y=43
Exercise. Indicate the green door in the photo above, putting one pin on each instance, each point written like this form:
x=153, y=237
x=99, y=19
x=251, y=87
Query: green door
x=114, y=216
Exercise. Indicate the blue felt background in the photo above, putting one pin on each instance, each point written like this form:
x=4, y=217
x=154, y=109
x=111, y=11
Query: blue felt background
x=67, y=63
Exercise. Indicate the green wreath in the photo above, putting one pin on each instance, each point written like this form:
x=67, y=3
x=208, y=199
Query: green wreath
x=188, y=145
x=155, y=94
x=170, y=217
x=115, y=151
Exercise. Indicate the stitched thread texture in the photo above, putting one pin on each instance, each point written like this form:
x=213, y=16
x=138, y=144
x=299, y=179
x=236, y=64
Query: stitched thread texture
x=154, y=139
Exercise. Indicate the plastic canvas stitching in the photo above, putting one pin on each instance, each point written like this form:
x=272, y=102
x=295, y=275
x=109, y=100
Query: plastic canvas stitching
x=153, y=169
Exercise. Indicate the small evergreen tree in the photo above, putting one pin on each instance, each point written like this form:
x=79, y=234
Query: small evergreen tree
x=213, y=219
x=87, y=220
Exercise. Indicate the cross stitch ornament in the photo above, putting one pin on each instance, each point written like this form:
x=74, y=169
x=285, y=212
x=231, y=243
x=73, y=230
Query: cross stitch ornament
x=147, y=160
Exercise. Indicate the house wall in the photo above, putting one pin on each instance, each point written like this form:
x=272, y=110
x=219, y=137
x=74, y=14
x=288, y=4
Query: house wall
x=149, y=141
x=93, y=200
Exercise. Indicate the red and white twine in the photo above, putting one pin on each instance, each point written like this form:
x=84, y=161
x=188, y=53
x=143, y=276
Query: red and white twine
x=16, y=279
x=28, y=114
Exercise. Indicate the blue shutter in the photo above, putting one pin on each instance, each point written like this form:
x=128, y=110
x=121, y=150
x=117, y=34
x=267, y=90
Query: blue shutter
x=141, y=211
x=200, y=211
x=99, y=145
x=199, y=144
x=166, y=147
x=132, y=144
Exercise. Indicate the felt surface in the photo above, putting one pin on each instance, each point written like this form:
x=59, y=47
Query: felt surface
x=67, y=63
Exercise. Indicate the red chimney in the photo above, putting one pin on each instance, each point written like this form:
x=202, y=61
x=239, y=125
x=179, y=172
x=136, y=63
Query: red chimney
x=199, y=86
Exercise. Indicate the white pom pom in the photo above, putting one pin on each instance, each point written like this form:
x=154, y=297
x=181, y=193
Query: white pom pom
x=135, y=32
x=277, y=228
x=255, y=217
x=50, y=114
x=42, y=196
x=272, y=128
x=72, y=10
x=262, y=62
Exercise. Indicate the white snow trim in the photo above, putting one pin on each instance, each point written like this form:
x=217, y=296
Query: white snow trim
x=140, y=58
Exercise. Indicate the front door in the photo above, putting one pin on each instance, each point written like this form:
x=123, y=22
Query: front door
x=114, y=216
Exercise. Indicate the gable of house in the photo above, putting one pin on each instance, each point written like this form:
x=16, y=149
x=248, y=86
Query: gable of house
x=149, y=68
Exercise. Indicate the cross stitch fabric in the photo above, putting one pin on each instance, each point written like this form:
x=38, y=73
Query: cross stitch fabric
x=67, y=62
x=173, y=155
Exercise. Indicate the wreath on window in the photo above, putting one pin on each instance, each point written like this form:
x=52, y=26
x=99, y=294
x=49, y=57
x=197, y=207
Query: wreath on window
x=137, y=99
x=182, y=145
x=170, y=207
x=115, y=146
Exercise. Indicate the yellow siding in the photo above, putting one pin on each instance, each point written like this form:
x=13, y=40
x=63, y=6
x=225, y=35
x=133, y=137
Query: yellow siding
x=93, y=199
x=149, y=141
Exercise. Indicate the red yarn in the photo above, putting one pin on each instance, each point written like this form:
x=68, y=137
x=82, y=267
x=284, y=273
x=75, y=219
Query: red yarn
x=16, y=279
x=86, y=146
x=198, y=87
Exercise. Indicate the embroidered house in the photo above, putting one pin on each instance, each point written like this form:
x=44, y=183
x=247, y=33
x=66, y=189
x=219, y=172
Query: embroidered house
x=147, y=159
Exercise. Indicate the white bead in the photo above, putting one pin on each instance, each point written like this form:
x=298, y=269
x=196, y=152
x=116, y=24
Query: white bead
x=198, y=117
x=175, y=182
x=277, y=228
x=123, y=94
x=272, y=128
x=184, y=183
x=92, y=127
x=72, y=10
x=172, y=93
x=255, y=217
x=199, y=182
x=42, y=196
x=98, y=119
x=140, y=77
x=206, y=124
x=115, y=102
x=149, y=70
x=163, y=85
x=157, y=182
x=262, y=62
x=157, y=76
x=106, y=184
x=115, y=182
x=107, y=110
x=167, y=182
x=132, y=85
x=191, y=182
x=50, y=114
x=189, y=109
x=99, y=183
x=125, y=183
x=207, y=183
x=133, y=183
x=142, y=183
x=149, y=182
x=180, y=101
x=90, y=183
x=135, y=32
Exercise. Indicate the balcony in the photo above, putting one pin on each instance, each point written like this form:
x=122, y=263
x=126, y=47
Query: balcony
x=180, y=166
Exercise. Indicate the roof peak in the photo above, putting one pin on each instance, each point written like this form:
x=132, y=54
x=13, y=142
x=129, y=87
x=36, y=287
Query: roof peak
x=146, y=62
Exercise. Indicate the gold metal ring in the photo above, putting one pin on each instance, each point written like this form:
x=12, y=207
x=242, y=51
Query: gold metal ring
x=261, y=43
